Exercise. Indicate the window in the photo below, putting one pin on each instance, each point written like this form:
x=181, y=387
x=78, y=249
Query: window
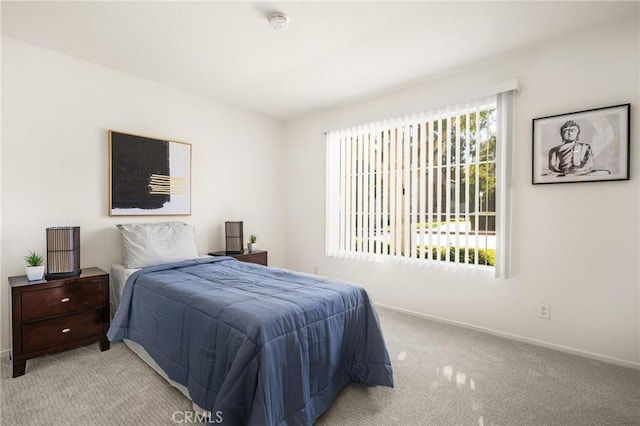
x=422, y=187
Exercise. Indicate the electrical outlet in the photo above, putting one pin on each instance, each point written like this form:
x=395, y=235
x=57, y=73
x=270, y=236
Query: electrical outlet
x=544, y=311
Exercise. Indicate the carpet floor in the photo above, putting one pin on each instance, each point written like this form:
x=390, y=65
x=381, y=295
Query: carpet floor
x=444, y=375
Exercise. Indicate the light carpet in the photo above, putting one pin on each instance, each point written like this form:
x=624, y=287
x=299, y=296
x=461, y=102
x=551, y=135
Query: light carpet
x=444, y=375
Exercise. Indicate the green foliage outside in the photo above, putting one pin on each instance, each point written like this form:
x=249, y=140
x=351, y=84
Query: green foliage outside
x=436, y=224
x=485, y=256
x=478, y=153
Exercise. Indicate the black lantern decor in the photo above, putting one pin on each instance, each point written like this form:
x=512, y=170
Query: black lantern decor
x=63, y=252
x=235, y=240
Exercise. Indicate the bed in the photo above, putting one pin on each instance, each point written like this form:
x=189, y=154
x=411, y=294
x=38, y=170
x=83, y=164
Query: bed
x=253, y=344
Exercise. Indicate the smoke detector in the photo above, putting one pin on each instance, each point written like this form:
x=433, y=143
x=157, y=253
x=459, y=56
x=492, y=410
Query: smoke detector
x=278, y=20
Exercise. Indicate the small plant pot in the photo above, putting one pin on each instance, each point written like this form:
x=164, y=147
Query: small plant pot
x=252, y=246
x=34, y=273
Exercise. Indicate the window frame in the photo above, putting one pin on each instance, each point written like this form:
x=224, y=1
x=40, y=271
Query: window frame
x=504, y=125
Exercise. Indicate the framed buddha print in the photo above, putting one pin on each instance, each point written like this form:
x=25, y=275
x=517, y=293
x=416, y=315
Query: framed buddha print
x=583, y=146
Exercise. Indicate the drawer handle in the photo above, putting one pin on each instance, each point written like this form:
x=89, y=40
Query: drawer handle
x=66, y=330
x=65, y=300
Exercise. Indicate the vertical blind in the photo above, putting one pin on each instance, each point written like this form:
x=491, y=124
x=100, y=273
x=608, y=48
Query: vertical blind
x=421, y=186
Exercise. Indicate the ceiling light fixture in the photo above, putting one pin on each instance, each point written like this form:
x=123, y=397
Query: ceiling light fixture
x=278, y=20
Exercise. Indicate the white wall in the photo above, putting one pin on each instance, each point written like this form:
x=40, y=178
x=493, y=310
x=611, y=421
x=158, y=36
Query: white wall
x=56, y=112
x=575, y=246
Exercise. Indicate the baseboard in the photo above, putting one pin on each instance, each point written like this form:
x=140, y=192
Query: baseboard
x=5, y=354
x=561, y=348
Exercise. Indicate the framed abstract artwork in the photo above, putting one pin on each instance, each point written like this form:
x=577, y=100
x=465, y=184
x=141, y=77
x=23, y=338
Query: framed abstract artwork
x=148, y=176
x=583, y=146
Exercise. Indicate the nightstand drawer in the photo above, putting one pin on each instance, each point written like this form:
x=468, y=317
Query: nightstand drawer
x=61, y=300
x=58, y=331
x=259, y=258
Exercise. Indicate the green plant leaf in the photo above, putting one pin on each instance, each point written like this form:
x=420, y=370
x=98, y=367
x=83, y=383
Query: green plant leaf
x=34, y=259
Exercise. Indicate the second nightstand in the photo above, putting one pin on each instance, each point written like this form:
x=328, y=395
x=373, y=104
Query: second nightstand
x=258, y=256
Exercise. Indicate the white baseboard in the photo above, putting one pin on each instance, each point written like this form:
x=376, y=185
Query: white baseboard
x=5, y=354
x=561, y=348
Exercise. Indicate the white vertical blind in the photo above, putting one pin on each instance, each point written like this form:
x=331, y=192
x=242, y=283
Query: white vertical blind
x=360, y=211
x=476, y=170
x=428, y=186
x=415, y=194
x=377, y=247
x=430, y=194
x=422, y=173
x=405, y=191
x=392, y=192
x=447, y=176
x=437, y=159
x=456, y=188
x=505, y=124
x=386, y=191
x=467, y=168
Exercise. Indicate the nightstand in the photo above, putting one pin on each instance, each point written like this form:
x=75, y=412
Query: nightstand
x=57, y=315
x=258, y=256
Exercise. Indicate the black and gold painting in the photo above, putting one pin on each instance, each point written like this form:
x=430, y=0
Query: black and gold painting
x=148, y=176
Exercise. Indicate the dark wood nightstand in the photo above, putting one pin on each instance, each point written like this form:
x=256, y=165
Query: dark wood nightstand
x=258, y=256
x=56, y=315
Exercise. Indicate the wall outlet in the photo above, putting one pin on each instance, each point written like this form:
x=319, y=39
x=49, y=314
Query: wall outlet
x=544, y=311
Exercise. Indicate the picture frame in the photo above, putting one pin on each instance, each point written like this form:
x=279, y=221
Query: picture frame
x=148, y=176
x=583, y=146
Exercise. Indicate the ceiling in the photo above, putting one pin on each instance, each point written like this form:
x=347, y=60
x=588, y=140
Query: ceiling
x=332, y=53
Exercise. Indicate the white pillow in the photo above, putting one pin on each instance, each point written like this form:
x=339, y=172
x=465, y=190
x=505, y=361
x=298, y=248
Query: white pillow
x=146, y=244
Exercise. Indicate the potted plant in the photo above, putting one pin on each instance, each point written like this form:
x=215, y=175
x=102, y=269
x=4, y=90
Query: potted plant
x=253, y=246
x=34, y=268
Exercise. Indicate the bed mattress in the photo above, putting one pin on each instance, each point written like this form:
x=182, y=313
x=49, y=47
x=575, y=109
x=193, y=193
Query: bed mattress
x=118, y=278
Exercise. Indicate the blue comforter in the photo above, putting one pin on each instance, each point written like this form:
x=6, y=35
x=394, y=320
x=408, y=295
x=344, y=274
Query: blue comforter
x=255, y=345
